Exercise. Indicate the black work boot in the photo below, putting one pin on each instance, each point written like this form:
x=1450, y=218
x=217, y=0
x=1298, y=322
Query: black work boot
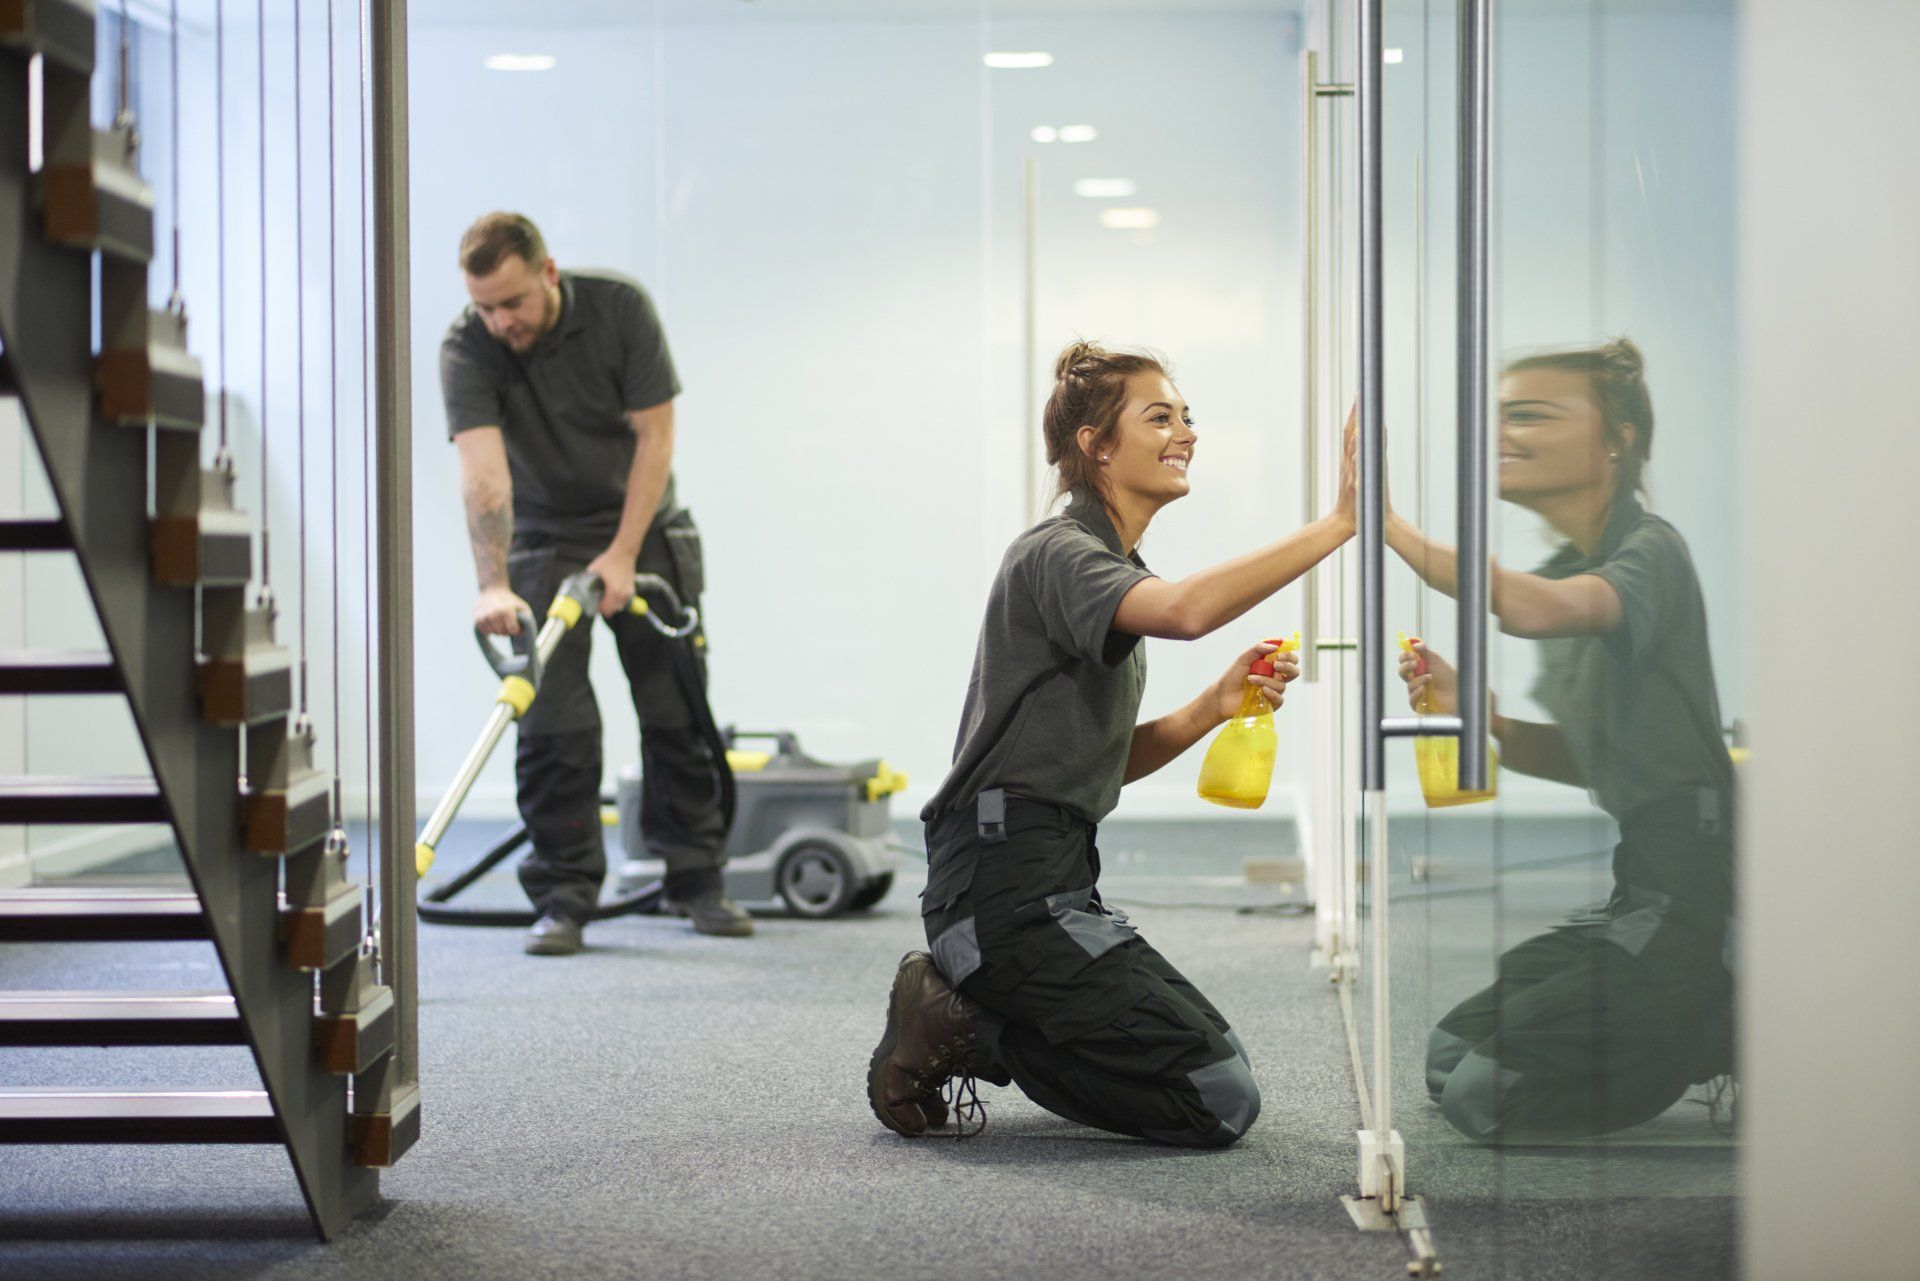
x=932, y=1035
x=712, y=912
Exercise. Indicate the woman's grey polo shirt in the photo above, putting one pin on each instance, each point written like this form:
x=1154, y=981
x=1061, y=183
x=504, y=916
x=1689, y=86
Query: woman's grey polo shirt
x=1637, y=706
x=563, y=406
x=1055, y=691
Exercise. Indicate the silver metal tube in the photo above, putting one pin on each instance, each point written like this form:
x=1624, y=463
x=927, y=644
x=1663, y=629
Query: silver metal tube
x=1419, y=726
x=468, y=775
x=1030, y=341
x=1374, y=823
x=393, y=501
x=1475, y=139
x=1310, y=338
x=1372, y=443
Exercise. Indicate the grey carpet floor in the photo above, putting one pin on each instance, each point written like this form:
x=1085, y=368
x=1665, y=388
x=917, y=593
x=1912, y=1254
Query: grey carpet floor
x=667, y=1105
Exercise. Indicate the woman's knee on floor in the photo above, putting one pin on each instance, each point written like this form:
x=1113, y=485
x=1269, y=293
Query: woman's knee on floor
x=1228, y=1104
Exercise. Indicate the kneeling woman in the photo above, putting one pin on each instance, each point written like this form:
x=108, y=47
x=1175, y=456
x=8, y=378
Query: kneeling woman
x=1605, y=1020
x=1032, y=980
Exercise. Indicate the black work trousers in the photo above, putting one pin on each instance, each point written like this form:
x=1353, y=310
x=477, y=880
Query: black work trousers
x=1082, y=1013
x=1602, y=1022
x=559, y=758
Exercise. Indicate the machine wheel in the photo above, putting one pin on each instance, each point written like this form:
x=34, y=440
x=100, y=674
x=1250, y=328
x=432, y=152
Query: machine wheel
x=815, y=879
x=871, y=893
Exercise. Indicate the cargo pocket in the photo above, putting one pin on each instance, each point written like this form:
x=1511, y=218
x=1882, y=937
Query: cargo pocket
x=1098, y=929
x=685, y=554
x=952, y=937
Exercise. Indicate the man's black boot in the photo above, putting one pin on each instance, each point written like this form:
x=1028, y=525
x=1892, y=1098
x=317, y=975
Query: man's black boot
x=554, y=935
x=700, y=898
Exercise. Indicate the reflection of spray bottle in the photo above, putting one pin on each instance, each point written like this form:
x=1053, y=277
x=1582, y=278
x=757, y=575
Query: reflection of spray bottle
x=1439, y=758
x=1239, y=765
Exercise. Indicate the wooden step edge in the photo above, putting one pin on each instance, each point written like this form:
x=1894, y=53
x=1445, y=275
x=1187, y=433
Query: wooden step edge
x=93, y=1115
x=119, y=1018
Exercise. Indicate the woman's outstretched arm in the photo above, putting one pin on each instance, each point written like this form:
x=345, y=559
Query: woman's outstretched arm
x=1527, y=605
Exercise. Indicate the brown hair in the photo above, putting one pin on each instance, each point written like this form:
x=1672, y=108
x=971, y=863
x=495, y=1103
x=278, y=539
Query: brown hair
x=496, y=236
x=1089, y=390
x=1617, y=372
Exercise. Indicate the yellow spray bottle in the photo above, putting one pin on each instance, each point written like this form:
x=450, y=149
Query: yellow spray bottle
x=1439, y=758
x=1239, y=765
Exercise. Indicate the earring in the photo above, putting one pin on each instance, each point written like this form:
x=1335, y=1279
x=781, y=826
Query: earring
x=1105, y=457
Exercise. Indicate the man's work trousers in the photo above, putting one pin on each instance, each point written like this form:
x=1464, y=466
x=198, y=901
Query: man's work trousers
x=559, y=757
x=1599, y=1024
x=1081, y=1012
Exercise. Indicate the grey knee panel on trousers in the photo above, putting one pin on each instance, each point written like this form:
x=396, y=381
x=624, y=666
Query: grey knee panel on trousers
x=1230, y=1096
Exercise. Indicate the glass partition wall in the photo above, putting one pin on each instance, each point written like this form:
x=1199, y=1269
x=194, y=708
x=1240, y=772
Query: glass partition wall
x=1539, y=980
x=878, y=230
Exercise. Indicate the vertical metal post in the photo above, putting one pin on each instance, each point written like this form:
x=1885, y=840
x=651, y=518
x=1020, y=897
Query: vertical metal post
x=1030, y=339
x=1372, y=533
x=1475, y=140
x=393, y=445
x=1372, y=440
x=1310, y=338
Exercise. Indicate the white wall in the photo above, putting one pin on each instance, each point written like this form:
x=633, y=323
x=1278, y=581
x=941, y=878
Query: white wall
x=828, y=214
x=1830, y=269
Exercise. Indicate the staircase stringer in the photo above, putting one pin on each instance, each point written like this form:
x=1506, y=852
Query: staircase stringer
x=99, y=477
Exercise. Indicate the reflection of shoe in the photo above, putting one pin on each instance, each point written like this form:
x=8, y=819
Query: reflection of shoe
x=554, y=936
x=712, y=912
x=932, y=1036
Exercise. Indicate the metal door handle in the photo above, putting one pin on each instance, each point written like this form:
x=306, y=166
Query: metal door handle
x=1311, y=93
x=1475, y=95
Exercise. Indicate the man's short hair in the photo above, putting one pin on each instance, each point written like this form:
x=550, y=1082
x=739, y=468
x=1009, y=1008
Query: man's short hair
x=497, y=235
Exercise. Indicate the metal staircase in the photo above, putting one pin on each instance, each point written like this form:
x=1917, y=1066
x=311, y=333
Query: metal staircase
x=191, y=648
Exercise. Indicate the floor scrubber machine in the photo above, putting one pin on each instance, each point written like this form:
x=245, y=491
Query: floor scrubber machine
x=815, y=837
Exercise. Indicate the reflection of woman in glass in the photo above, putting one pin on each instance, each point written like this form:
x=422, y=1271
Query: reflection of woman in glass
x=1055, y=991
x=1603, y=1022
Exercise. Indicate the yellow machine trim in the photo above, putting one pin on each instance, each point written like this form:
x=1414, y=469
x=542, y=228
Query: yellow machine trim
x=885, y=782
x=422, y=859
x=609, y=816
x=516, y=692
x=744, y=762
x=566, y=609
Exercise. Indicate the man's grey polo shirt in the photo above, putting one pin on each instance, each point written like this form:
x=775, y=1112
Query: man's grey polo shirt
x=563, y=406
x=1055, y=692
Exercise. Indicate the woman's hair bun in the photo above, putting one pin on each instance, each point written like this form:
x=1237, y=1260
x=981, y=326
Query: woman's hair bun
x=1623, y=357
x=1073, y=355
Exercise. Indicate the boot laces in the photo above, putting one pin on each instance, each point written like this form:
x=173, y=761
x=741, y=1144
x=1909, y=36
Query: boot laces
x=951, y=1077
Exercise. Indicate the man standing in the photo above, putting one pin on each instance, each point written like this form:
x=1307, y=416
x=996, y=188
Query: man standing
x=559, y=394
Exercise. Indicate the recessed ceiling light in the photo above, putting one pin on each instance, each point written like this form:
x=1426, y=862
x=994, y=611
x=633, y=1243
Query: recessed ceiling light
x=1393, y=55
x=1078, y=133
x=1105, y=188
x=1019, y=61
x=520, y=62
x=1129, y=218
x=1045, y=133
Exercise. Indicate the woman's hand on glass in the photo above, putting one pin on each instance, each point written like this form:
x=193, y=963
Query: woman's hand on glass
x=1231, y=688
x=1346, y=503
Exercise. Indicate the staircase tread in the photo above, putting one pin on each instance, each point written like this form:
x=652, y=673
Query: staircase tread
x=105, y=785
x=34, y=535
x=96, y=1004
x=112, y=1103
x=24, y=671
